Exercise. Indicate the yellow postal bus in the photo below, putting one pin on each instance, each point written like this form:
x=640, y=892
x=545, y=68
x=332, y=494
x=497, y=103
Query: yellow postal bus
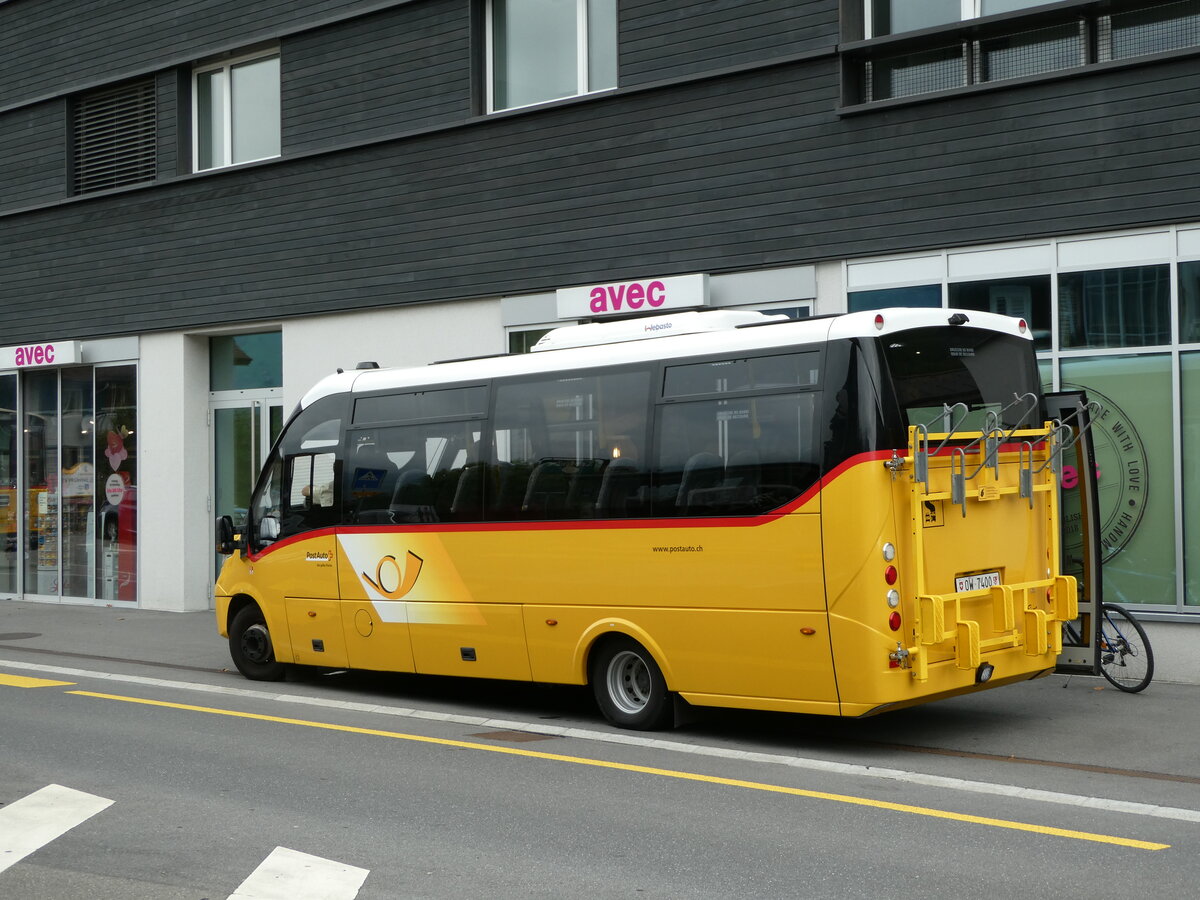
x=839, y=515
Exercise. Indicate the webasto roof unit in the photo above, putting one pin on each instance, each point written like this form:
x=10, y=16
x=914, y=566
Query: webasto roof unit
x=596, y=333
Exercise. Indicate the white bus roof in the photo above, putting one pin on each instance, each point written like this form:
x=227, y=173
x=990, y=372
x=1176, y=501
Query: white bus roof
x=581, y=347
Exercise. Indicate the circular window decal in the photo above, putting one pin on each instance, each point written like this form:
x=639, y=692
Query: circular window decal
x=1122, y=475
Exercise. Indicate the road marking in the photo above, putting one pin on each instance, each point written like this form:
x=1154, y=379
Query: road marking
x=24, y=681
x=292, y=875
x=35, y=820
x=649, y=770
x=827, y=766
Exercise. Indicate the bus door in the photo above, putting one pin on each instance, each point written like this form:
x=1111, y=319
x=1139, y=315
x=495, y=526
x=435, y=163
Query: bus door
x=1080, y=517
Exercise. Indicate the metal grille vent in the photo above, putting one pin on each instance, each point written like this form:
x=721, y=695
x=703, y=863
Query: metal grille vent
x=115, y=137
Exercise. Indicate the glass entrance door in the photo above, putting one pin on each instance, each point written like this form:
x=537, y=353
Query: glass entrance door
x=242, y=434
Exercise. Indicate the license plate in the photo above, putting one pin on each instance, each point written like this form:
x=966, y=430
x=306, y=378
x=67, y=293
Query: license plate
x=977, y=582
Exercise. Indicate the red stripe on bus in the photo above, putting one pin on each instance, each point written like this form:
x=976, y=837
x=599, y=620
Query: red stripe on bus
x=591, y=524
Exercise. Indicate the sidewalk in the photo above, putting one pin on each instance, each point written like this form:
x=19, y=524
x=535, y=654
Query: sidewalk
x=181, y=639
x=191, y=639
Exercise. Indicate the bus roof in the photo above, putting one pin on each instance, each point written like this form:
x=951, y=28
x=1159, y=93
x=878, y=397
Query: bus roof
x=580, y=347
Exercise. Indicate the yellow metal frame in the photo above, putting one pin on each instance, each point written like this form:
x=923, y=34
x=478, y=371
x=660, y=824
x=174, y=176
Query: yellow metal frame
x=1027, y=614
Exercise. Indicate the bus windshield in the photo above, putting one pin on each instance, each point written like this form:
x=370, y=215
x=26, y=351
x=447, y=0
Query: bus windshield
x=933, y=369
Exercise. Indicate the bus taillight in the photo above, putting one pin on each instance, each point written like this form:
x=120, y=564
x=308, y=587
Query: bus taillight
x=890, y=575
x=894, y=621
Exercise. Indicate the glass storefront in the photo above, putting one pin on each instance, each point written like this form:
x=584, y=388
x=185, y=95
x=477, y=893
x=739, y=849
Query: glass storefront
x=68, y=483
x=1118, y=316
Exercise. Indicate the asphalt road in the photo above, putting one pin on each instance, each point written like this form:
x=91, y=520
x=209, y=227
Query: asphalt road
x=204, y=785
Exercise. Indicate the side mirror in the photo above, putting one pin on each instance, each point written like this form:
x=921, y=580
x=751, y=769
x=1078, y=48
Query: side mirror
x=268, y=530
x=225, y=542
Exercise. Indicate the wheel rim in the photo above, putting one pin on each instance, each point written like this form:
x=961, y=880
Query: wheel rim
x=256, y=644
x=629, y=682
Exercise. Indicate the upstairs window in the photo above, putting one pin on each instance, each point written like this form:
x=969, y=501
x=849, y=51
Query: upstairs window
x=235, y=110
x=542, y=50
x=897, y=16
x=115, y=137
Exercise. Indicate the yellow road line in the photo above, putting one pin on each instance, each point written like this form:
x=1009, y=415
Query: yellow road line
x=650, y=770
x=24, y=681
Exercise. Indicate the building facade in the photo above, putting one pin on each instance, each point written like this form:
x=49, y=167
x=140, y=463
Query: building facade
x=206, y=206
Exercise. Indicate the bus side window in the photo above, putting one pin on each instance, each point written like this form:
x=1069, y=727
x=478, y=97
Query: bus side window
x=736, y=456
x=300, y=487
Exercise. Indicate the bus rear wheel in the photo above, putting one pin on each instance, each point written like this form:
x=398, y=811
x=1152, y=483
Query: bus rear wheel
x=251, y=648
x=629, y=686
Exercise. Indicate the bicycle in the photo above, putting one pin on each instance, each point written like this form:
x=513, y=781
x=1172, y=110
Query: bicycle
x=1126, y=658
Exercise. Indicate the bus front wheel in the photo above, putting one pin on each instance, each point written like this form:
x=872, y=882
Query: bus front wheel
x=629, y=686
x=251, y=648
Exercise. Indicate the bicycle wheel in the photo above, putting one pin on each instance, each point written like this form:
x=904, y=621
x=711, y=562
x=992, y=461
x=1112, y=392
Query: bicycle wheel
x=1126, y=659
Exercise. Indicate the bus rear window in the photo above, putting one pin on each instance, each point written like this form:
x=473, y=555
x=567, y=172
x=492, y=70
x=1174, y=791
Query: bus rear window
x=934, y=369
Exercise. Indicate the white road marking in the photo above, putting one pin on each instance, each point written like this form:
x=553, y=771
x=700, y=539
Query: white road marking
x=292, y=875
x=30, y=823
x=796, y=762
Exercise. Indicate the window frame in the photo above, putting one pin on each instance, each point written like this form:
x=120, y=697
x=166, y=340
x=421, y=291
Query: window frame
x=227, y=66
x=582, y=60
x=968, y=10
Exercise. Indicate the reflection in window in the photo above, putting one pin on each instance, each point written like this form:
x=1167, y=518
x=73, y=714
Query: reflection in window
x=243, y=362
x=237, y=112
x=1115, y=307
x=1189, y=372
x=536, y=47
x=1022, y=298
x=896, y=16
x=1189, y=302
x=1135, y=462
x=571, y=447
x=922, y=295
x=523, y=341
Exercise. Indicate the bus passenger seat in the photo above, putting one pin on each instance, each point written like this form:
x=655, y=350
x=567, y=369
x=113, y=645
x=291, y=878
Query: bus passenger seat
x=546, y=491
x=700, y=472
x=620, y=482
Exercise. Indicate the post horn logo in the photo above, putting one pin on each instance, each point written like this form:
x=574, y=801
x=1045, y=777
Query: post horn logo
x=403, y=579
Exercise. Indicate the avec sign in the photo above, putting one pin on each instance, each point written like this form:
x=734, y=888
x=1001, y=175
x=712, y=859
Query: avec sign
x=644, y=295
x=49, y=353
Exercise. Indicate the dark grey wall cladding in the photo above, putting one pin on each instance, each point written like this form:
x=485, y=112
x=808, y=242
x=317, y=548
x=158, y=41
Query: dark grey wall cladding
x=663, y=39
x=66, y=44
x=33, y=155
x=403, y=69
x=615, y=187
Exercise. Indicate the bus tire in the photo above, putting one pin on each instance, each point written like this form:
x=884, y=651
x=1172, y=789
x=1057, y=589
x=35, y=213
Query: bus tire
x=251, y=647
x=629, y=686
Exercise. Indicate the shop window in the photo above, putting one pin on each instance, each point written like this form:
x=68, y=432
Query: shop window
x=542, y=50
x=236, y=112
x=1189, y=376
x=1189, y=302
x=922, y=295
x=1128, y=307
x=1135, y=466
x=523, y=341
x=9, y=500
x=1022, y=298
x=244, y=362
x=116, y=466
